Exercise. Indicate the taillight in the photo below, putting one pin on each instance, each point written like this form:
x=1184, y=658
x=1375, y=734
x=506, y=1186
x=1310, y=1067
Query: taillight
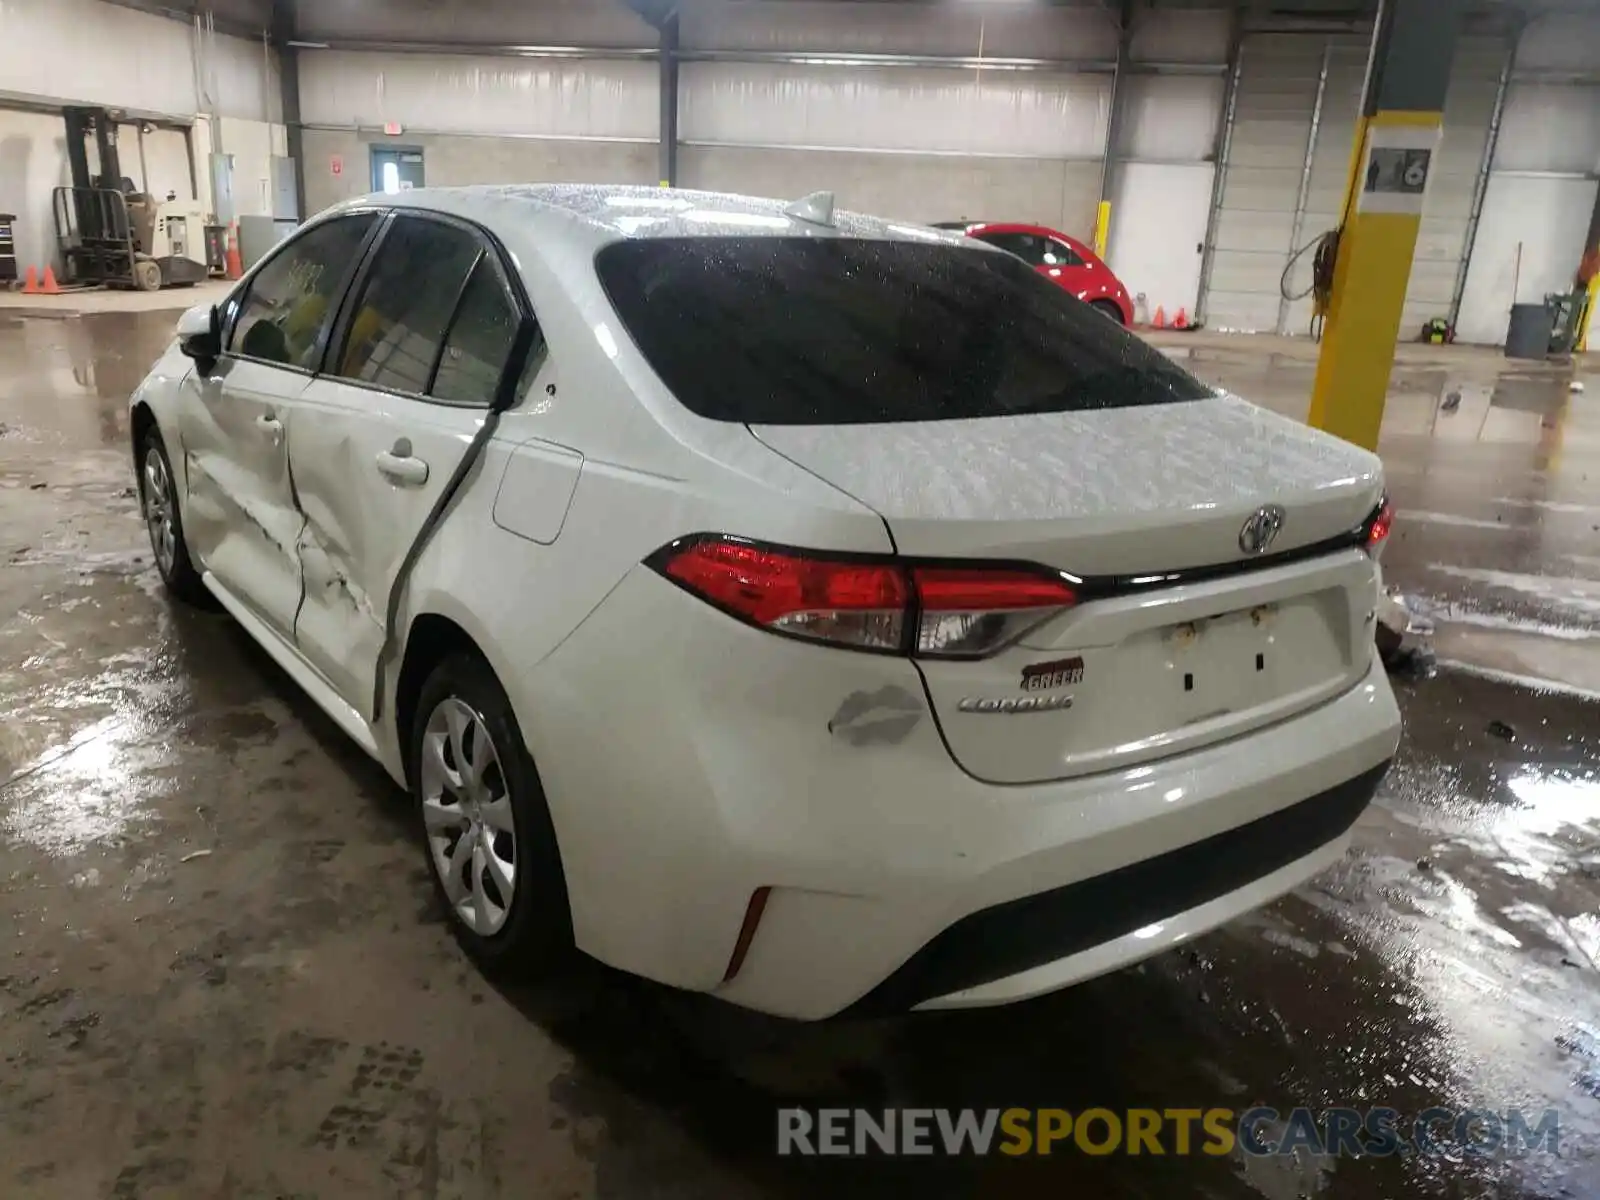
x=865, y=603
x=964, y=612
x=1378, y=526
x=861, y=604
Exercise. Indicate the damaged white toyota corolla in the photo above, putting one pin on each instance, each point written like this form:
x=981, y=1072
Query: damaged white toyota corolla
x=828, y=614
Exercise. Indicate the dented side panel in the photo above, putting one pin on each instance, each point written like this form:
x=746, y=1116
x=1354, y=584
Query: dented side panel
x=239, y=513
x=362, y=512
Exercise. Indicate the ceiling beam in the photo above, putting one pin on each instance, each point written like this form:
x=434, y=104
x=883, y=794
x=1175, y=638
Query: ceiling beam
x=231, y=26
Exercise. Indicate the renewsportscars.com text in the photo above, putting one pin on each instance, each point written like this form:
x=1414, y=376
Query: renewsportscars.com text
x=1335, y=1132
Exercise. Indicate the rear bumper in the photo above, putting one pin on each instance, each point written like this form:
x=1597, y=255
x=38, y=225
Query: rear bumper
x=690, y=761
x=1047, y=940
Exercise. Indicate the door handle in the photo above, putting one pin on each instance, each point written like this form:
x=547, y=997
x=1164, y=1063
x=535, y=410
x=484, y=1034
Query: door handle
x=271, y=427
x=403, y=469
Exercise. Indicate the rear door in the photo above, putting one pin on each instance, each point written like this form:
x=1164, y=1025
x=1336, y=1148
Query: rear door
x=408, y=379
x=240, y=515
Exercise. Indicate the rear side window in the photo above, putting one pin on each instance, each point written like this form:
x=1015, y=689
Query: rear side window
x=479, y=342
x=1029, y=247
x=1059, y=254
x=291, y=299
x=398, y=324
x=834, y=331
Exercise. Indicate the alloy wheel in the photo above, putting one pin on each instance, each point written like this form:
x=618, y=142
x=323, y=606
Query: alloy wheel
x=466, y=812
x=160, y=507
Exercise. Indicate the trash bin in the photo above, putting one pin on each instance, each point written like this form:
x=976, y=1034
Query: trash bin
x=1529, y=333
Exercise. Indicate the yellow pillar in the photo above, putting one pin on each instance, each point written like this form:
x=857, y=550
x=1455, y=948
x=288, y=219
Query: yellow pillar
x=1102, y=227
x=1395, y=150
x=1588, y=314
x=1369, y=281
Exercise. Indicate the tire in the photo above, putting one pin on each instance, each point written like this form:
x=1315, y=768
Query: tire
x=147, y=275
x=1107, y=308
x=163, y=520
x=506, y=817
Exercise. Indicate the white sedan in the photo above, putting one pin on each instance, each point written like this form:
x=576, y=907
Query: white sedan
x=824, y=613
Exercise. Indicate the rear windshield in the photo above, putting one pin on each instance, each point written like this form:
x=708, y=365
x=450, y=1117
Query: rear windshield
x=838, y=331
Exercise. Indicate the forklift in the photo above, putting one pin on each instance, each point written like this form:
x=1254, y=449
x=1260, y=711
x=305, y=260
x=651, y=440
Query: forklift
x=110, y=233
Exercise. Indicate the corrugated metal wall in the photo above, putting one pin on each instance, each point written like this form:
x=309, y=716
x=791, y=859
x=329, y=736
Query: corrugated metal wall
x=995, y=30
x=454, y=159
x=477, y=119
x=132, y=60
x=511, y=97
x=917, y=142
x=922, y=142
x=608, y=23
x=922, y=145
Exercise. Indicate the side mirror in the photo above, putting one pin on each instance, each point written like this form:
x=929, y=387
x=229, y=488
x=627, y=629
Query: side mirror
x=200, y=335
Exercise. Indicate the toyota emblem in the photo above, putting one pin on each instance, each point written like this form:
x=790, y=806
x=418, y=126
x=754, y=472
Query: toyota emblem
x=1260, y=530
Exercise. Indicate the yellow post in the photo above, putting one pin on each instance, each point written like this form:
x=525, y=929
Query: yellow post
x=1588, y=314
x=1102, y=227
x=1395, y=147
x=1371, y=273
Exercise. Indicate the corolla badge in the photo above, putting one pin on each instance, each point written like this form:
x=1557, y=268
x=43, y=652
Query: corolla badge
x=1009, y=705
x=1260, y=530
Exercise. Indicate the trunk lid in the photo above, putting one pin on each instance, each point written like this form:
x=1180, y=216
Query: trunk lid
x=1114, y=491
x=1140, y=668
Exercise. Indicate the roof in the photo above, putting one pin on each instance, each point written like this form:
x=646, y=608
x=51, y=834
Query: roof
x=612, y=212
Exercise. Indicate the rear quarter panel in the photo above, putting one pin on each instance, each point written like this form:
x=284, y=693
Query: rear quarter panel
x=651, y=472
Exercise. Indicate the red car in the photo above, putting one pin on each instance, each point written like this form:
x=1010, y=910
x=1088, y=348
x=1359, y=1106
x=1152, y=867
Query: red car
x=1066, y=260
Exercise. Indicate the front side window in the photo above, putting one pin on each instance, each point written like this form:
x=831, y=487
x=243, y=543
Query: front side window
x=291, y=299
x=831, y=331
x=398, y=324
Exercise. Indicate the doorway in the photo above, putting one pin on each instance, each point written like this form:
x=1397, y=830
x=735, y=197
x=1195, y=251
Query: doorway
x=396, y=168
x=1158, y=229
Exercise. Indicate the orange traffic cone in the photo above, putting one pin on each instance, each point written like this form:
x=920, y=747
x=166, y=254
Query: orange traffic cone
x=1181, y=321
x=1161, y=318
x=31, y=286
x=51, y=287
x=235, y=265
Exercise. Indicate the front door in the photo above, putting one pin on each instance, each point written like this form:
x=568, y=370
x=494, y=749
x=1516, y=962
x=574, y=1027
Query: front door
x=240, y=517
x=396, y=168
x=375, y=439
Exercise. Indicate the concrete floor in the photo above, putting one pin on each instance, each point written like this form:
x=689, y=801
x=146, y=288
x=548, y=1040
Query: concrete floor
x=227, y=978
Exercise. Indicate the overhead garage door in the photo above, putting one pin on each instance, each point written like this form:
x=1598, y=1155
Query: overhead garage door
x=1447, y=211
x=1330, y=171
x=1257, y=228
x=1277, y=93
x=1536, y=212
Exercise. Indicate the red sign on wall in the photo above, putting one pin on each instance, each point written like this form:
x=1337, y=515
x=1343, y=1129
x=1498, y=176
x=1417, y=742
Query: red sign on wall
x=336, y=165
